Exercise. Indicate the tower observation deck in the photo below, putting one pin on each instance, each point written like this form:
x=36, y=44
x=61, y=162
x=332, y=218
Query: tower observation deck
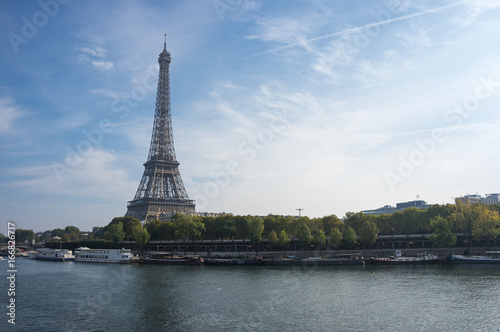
x=161, y=192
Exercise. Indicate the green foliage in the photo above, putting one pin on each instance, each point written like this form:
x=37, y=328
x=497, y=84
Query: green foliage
x=98, y=232
x=57, y=232
x=368, y=233
x=319, y=238
x=486, y=224
x=72, y=230
x=129, y=223
x=283, y=240
x=272, y=238
x=331, y=222
x=141, y=236
x=355, y=220
x=23, y=235
x=335, y=237
x=255, y=227
x=442, y=235
x=115, y=233
x=304, y=235
x=349, y=238
x=186, y=227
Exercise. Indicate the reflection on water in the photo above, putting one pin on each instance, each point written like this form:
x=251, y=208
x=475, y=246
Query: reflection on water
x=107, y=297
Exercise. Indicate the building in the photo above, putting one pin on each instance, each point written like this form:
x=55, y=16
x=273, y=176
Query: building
x=476, y=198
x=161, y=192
x=388, y=209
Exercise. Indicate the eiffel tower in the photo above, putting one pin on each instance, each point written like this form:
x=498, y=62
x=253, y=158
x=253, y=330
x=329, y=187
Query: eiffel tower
x=161, y=192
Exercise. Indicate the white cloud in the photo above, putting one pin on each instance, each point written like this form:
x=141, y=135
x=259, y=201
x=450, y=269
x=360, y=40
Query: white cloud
x=96, y=51
x=9, y=113
x=93, y=174
x=103, y=65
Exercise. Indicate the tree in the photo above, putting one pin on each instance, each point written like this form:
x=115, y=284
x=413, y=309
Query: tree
x=415, y=221
x=486, y=224
x=462, y=219
x=355, y=220
x=304, y=235
x=24, y=235
x=98, y=232
x=115, y=233
x=331, y=222
x=141, y=236
x=153, y=229
x=283, y=240
x=335, y=237
x=272, y=238
x=319, y=238
x=349, y=238
x=129, y=224
x=186, y=227
x=72, y=230
x=384, y=224
x=255, y=227
x=442, y=235
x=166, y=231
x=368, y=233
x=57, y=232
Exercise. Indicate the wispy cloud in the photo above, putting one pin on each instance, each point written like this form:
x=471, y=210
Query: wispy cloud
x=9, y=113
x=97, y=175
x=355, y=29
x=103, y=65
x=96, y=51
x=92, y=53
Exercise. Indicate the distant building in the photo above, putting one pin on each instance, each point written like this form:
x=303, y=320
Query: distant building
x=492, y=199
x=476, y=198
x=388, y=209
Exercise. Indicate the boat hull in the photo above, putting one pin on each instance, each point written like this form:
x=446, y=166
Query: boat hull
x=222, y=261
x=55, y=259
x=318, y=262
x=404, y=262
x=459, y=259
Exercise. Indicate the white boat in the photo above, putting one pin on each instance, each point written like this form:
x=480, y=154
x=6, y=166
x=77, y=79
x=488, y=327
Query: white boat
x=491, y=257
x=399, y=259
x=84, y=254
x=59, y=255
x=31, y=254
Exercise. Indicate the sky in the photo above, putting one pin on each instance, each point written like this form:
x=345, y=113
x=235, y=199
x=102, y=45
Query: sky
x=325, y=106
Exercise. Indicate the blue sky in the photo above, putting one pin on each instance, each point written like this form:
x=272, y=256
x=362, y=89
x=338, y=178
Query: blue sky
x=329, y=106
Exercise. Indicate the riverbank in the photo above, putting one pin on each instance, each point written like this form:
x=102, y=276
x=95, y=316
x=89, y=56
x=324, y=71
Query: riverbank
x=366, y=253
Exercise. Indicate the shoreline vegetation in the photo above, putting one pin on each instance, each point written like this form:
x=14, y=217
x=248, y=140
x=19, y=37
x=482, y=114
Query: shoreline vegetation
x=452, y=226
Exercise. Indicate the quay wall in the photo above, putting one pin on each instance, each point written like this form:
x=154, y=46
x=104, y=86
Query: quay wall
x=441, y=252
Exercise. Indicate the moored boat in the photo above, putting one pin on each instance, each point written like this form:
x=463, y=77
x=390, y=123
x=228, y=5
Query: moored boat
x=399, y=259
x=490, y=257
x=169, y=259
x=58, y=255
x=340, y=260
x=234, y=261
x=31, y=254
x=84, y=254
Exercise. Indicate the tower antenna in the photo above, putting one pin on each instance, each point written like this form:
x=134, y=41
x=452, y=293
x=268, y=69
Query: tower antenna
x=165, y=43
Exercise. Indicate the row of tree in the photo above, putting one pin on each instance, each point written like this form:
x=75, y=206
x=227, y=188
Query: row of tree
x=475, y=221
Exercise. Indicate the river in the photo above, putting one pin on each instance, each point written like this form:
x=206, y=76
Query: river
x=54, y=296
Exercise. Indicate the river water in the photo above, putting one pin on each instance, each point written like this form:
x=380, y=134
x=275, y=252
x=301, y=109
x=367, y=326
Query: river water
x=53, y=296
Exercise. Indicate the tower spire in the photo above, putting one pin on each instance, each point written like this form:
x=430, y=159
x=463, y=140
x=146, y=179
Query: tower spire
x=161, y=192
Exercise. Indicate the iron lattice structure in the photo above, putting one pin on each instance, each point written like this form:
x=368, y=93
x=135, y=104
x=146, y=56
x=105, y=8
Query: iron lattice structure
x=161, y=192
